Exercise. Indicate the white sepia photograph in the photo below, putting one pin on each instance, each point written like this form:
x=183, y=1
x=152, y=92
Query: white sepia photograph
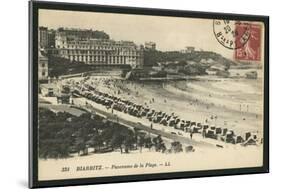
x=132, y=94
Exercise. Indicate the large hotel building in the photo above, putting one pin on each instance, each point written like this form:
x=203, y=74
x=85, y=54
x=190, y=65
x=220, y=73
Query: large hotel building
x=79, y=45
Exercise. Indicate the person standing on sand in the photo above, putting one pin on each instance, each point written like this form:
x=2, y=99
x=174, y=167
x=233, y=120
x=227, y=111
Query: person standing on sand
x=204, y=133
x=191, y=134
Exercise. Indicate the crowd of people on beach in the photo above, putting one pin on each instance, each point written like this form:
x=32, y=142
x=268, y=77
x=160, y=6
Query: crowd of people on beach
x=91, y=90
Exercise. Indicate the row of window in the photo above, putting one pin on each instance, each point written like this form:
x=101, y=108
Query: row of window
x=115, y=59
x=97, y=53
x=109, y=47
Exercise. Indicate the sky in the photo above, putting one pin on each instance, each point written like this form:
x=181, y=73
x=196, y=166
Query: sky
x=169, y=33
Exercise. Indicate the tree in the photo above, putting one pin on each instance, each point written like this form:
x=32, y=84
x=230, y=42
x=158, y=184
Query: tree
x=54, y=134
x=81, y=146
x=117, y=141
x=83, y=136
x=159, y=144
x=176, y=147
x=148, y=143
x=96, y=141
x=140, y=142
x=60, y=137
x=129, y=140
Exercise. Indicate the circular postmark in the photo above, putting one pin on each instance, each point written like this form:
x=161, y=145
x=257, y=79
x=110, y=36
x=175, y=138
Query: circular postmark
x=231, y=34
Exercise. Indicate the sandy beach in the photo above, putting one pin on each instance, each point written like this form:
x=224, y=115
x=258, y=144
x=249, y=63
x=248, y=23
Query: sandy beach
x=206, y=100
x=238, y=107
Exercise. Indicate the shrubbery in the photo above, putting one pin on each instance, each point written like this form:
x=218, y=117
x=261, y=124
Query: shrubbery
x=62, y=134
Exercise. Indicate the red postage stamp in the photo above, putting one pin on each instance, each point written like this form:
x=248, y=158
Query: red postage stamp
x=251, y=49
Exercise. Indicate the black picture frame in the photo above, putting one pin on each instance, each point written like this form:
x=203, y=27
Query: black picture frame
x=34, y=6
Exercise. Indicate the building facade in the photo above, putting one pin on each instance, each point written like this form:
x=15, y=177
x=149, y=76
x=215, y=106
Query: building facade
x=188, y=49
x=80, y=46
x=150, y=45
x=51, y=39
x=43, y=37
x=46, y=38
x=42, y=67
